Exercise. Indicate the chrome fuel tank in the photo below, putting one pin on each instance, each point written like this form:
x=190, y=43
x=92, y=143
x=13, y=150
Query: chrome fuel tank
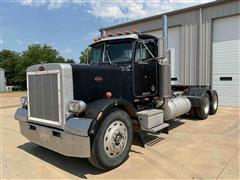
x=175, y=107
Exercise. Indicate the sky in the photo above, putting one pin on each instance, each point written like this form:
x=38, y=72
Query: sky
x=70, y=26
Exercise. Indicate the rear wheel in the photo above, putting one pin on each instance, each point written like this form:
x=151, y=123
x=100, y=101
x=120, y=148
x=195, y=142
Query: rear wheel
x=214, y=103
x=202, y=112
x=192, y=113
x=113, y=141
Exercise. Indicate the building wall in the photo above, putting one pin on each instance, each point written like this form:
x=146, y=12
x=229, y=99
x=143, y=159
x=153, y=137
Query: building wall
x=196, y=37
x=209, y=14
x=2, y=80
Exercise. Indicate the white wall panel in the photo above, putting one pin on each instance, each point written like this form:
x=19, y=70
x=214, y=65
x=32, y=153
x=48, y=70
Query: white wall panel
x=174, y=43
x=226, y=60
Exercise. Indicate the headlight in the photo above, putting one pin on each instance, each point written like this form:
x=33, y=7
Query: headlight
x=24, y=101
x=77, y=106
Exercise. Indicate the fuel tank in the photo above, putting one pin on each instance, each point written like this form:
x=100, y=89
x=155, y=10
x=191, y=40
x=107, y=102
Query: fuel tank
x=175, y=107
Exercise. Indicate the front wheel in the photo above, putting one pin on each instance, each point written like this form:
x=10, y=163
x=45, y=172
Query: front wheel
x=113, y=141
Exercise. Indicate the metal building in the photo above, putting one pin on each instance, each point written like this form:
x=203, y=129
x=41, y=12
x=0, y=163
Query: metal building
x=2, y=80
x=205, y=44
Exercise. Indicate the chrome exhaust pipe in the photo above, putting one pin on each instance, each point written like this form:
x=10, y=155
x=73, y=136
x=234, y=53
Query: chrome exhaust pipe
x=163, y=41
x=165, y=35
x=164, y=62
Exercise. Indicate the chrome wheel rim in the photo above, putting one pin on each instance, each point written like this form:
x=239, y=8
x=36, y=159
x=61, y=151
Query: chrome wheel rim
x=215, y=102
x=206, y=104
x=115, y=139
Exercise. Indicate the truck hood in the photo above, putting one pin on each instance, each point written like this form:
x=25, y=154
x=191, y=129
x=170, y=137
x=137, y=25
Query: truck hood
x=91, y=82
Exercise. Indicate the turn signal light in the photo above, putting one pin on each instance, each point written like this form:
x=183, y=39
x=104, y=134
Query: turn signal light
x=108, y=94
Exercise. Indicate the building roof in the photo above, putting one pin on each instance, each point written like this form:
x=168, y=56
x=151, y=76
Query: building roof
x=166, y=13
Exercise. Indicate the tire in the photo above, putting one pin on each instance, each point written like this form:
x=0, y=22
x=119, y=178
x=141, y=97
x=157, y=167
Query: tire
x=214, y=103
x=202, y=112
x=113, y=141
x=192, y=113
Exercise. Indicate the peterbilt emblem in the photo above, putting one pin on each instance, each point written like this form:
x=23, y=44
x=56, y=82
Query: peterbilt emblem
x=98, y=79
x=41, y=68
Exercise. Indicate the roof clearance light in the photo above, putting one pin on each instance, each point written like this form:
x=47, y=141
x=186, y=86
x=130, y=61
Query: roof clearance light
x=135, y=31
x=99, y=38
x=109, y=34
x=119, y=33
x=95, y=39
x=127, y=32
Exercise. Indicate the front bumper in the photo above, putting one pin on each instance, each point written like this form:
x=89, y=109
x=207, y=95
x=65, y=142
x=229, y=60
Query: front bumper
x=72, y=141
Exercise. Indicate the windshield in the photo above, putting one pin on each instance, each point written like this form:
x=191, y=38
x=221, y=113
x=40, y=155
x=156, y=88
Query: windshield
x=111, y=52
x=96, y=54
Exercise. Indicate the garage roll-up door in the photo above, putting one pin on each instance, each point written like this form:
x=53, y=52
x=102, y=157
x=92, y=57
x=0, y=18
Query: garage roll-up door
x=173, y=44
x=226, y=60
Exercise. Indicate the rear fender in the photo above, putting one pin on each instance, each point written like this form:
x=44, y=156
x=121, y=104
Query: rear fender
x=195, y=95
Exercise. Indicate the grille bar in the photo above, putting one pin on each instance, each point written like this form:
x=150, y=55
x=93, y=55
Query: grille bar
x=44, y=96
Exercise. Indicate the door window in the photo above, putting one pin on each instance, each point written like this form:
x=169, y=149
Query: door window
x=145, y=52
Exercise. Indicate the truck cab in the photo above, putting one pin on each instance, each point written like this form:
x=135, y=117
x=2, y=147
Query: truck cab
x=91, y=111
x=124, y=65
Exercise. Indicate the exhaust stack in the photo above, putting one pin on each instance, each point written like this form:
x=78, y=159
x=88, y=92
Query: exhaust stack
x=164, y=62
x=165, y=35
x=163, y=41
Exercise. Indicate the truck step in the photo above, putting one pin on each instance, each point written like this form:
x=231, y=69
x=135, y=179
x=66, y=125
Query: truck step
x=156, y=129
x=150, y=118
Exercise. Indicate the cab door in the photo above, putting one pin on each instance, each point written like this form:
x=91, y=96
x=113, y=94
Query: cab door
x=145, y=69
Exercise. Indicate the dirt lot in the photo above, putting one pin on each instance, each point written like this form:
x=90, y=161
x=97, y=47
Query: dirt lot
x=192, y=149
x=11, y=99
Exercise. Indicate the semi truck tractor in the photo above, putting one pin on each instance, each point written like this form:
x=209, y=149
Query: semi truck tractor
x=92, y=110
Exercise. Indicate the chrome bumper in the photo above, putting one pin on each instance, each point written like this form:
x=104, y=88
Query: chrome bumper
x=72, y=141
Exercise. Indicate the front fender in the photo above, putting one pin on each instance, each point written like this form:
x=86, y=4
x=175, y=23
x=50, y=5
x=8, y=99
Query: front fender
x=104, y=106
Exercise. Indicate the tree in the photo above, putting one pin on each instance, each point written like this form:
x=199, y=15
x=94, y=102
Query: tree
x=36, y=54
x=8, y=61
x=15, y=64
x=70, y=61
x=85, y=57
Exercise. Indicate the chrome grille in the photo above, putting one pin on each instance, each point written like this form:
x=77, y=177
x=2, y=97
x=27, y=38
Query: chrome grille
x=43, y=96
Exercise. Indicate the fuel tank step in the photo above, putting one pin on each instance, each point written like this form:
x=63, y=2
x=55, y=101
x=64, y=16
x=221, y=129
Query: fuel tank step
x=158, y=128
